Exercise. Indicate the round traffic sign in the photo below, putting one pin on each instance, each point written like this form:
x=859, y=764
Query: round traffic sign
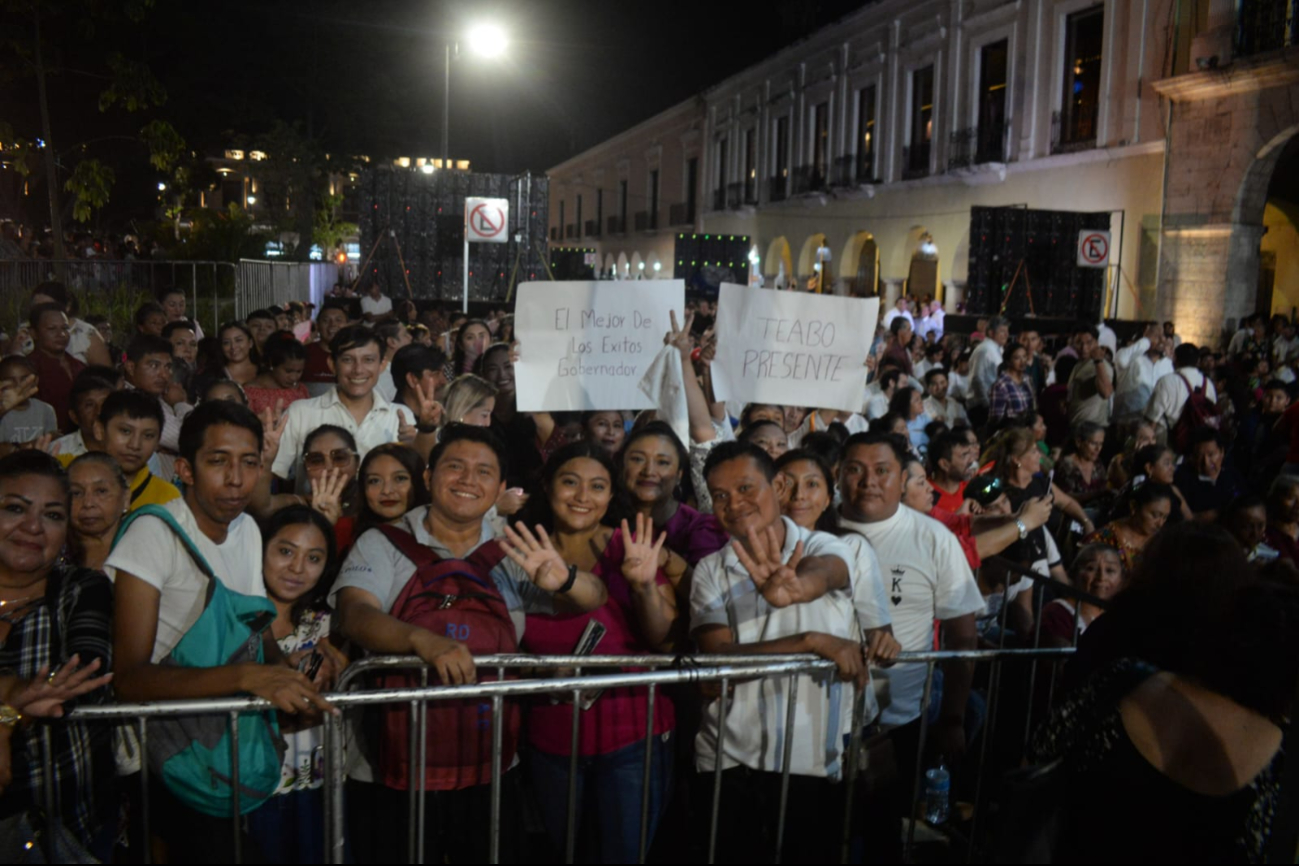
x=486, y=221
x=1095, y=248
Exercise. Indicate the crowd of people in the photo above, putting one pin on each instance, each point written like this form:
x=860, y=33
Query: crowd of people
x=248, y=512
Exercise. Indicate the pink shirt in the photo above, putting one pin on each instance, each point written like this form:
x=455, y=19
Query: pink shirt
x=617, y=719
x=266, y=398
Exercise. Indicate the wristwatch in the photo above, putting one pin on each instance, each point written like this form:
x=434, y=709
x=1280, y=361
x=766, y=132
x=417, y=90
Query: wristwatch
x=572, y=579
x=1023, y=530
x=9, y=717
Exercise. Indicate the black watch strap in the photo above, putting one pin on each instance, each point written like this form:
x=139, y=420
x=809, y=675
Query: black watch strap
x=572, y=579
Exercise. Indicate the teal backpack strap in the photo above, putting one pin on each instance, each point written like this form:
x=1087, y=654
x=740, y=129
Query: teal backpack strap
x=168, y=518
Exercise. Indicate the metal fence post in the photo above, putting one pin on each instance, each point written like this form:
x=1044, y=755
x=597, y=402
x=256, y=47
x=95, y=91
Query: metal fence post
x=791, y=702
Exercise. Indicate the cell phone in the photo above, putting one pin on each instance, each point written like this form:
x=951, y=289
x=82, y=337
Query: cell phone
x=309, y=666
x=586, y=644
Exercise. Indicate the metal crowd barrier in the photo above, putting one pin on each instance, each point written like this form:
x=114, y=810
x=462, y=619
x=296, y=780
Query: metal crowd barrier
x=664, y=670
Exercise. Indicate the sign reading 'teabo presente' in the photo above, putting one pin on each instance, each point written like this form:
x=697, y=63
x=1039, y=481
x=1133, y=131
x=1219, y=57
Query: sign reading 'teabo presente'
x=791, y=348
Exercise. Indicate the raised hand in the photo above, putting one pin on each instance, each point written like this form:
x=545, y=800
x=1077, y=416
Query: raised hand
x=428, y=411
x=43, y=442
x=327, y=493
x=775, y=579
x=640, y=562
x=708, y=347
x=536, y=556
x=274, y=422
x=43, y=697
x=14, y=394
x=680, y=337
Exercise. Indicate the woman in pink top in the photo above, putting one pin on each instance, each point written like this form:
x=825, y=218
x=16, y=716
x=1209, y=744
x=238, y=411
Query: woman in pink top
x=581, y=503
x=280, y=381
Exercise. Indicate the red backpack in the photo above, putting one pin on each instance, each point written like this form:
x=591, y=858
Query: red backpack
x=456, y=598
x=1199, y=411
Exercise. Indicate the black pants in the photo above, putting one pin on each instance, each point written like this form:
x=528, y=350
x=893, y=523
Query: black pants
x=747, y=821
x=189, y=836
x=456, y=824
x=882, y=812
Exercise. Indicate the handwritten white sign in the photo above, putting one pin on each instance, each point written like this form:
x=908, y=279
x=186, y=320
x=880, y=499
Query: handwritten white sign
x=585, y=345
x=792, y=348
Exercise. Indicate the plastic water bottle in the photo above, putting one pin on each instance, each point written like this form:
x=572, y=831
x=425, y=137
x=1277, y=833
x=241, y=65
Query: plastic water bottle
x=938, y=789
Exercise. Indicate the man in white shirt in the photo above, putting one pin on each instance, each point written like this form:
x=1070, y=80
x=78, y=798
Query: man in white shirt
x=984, y=366
x=1140, y=366
x=1170, y=336
x=353, y=404
x=775, y=588
x=375, y=305
x=160, y=591
x=927, y=578
x=881, y=391
x=1171, y=392
x=899, y=309
x=1091, y=384
x=821, y=419
x=1106, y=337
x=938, y=405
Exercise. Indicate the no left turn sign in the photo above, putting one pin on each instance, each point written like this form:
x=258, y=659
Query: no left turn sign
x=487, y=220
x=1093, y=248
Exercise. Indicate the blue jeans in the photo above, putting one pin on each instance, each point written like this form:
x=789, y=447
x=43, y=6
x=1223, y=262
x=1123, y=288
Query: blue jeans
x=608, y=793
x=290, y=828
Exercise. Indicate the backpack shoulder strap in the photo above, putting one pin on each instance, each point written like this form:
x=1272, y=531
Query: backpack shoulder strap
x=1187, y=382
x=420, y=554
x=169, y=519
x=487, y=556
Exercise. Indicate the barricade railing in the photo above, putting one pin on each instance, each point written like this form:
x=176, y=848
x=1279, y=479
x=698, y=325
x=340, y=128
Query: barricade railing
x=656, y=671
x=116, y=288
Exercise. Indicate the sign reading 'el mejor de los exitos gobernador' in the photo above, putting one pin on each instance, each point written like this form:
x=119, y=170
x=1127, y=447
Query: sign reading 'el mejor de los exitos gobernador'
x=584, y=345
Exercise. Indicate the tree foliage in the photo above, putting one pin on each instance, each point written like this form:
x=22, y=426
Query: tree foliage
x=90, y=185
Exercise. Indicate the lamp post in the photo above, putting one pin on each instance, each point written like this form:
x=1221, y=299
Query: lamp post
x=485, y=40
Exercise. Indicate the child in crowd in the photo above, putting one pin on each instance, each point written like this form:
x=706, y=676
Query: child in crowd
x=30, y=419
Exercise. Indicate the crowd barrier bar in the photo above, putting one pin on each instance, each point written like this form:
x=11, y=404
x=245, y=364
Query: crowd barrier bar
x=688, y=669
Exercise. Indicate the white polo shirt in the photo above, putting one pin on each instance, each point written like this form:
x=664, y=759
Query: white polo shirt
x=723, y=594
x=379, y=426
x=926, y=577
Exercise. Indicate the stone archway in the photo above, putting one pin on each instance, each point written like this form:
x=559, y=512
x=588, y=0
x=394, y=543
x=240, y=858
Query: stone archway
x=778, y=254
x=859, y=264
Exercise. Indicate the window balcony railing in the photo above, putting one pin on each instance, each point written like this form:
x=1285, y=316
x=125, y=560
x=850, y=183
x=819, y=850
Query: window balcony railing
x=751, y=191
x=570, y=230
x=977, y=146
x=1075, y=132
x=719, y=198
x=591, y=229
x=734, y=196
x=915, y=160
x=777, y=188
x=644, y=221
x=679, y=214
x=1266, y=25
x=615, y=225
x=810, y=178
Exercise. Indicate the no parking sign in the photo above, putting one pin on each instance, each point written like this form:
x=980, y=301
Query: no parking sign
x=487, y=220
x=1093, y=248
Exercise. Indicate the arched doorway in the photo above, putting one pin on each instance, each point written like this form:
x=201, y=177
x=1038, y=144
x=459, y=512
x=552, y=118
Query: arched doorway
x=860, y=265
x=778, y=265
x=812, y=253
x=923, y=278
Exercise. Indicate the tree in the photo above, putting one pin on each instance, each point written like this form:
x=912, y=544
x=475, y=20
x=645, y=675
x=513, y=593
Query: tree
x=35, y=32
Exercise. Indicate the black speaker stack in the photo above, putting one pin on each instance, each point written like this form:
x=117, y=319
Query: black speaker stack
x=573, y=263
x=414, y=222
x=705, y=261
x=1026, y=260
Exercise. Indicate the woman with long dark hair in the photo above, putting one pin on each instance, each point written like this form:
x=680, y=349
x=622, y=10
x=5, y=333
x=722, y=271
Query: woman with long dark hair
x=582, y=507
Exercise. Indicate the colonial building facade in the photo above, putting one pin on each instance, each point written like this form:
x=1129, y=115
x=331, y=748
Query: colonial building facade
x=872, y=139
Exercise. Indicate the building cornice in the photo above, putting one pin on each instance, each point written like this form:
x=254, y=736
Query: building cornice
x=1277, y=69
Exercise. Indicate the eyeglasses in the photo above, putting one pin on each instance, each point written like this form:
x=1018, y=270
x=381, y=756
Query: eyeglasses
x=338, y=458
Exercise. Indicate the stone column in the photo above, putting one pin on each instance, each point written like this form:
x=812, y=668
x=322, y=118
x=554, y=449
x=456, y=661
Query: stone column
x=1208, y=278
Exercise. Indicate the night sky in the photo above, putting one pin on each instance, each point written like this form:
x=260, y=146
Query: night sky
x=366, y=77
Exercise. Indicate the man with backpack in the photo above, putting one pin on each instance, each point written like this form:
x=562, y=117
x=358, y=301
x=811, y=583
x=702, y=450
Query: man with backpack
x=190, y=616
x=439, y=586
x=1186, y=388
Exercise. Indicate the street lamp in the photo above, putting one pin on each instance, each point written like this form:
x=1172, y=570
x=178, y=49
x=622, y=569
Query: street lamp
x=485, y=40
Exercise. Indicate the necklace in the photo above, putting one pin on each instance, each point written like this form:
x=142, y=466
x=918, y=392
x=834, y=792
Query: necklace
x=14, y=609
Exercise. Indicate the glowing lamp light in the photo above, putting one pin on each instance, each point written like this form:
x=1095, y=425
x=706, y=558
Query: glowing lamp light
x=427, y=168
x=487, y=40
x=162, y=187
x=640, y=266
x=657, y=267
x=252, y=200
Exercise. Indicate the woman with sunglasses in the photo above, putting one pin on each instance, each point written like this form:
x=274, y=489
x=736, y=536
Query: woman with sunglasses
x=329, y=461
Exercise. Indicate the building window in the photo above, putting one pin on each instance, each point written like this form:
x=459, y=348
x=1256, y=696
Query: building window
x=780, y=175
x=654, y=199
x=561, y=217
x=922, y=122
x=692, y=184
x=993, y=61
x=820, y=143
x=866, y=134
x=719, y=190
x=599, y=211
x=1084, y=37
x=580, y=228
x=622, y=205
x=751, y=166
